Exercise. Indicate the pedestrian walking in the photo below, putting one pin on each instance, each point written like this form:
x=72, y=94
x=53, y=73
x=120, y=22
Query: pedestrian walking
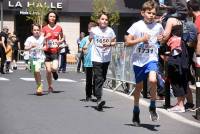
x=143, y=36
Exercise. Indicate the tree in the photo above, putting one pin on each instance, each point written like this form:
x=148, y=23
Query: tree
x=37, y=10
x=107, y=6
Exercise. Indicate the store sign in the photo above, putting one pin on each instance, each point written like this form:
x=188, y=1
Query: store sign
x=19, y=4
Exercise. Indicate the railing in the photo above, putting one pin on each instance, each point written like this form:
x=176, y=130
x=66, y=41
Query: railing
x=120, y=71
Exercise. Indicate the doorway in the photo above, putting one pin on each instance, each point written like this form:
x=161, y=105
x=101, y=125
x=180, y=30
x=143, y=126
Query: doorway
x=22, y=28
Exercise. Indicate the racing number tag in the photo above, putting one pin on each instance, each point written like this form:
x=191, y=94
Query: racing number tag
x=52, y=43
x=101, y=41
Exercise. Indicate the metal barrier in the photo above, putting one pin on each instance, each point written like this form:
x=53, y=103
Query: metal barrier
x=20, y=56
x=120, y=71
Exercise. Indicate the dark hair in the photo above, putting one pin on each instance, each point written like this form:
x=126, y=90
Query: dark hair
x=193, y=5
x=35, y=24
x=46, y=18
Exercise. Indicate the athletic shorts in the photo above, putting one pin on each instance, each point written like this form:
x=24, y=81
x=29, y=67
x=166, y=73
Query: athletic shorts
x=36, y=65
x=51, y=57
x=142, y=72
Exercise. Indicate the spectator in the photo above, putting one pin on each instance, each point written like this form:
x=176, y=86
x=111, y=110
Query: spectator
x=16, y=48
x=80, y=54
x=4, y=37
x=178, y=61
x=63, y=57
x=194, y=11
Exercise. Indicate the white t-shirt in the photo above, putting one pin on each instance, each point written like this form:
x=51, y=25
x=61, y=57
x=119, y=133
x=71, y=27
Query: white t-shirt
x=35, y=53
x=99, y=52
x=143, y=53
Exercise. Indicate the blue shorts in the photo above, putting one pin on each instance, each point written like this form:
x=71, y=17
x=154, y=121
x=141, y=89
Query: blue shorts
x=142, y=72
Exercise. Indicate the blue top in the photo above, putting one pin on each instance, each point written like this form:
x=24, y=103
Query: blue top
x=87, y=56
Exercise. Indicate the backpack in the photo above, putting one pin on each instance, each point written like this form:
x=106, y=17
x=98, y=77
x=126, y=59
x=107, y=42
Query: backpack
x=189, y=33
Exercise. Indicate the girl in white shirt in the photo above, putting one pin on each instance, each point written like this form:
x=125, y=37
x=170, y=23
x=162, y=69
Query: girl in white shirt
x=34, y=44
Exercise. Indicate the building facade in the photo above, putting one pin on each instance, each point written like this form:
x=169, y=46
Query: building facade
x=74, y=16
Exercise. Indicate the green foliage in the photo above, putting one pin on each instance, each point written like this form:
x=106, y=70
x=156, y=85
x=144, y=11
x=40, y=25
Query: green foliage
x=37, y=11
x=107, y=6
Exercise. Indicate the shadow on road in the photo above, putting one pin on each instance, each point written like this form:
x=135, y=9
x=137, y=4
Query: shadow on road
x=147, y=126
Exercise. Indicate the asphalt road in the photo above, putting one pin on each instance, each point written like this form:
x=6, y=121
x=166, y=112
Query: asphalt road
x=22, y=112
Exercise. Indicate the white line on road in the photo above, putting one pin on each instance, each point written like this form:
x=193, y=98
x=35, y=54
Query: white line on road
x=60, y=79
x=3, y=79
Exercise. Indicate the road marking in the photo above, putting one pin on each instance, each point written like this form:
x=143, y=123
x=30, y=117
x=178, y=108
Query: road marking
x=3, y=79
x=60, y=79
x=28, y=79
x=169, y=114
x=65, y=80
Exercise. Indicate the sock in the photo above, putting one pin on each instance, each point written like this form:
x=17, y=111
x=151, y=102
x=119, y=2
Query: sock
x=136, y=109
x=153, y=103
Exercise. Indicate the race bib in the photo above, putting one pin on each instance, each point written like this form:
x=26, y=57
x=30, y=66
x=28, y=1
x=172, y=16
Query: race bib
x=145, y=49
x=100, y=41
x=52, y=43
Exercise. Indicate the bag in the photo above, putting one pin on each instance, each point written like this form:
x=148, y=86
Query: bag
x=189, y=33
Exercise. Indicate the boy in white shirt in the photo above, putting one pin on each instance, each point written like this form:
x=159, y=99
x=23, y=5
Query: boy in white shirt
x=143, y=37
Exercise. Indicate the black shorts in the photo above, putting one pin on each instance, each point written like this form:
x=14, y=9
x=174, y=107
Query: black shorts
x=51, y=56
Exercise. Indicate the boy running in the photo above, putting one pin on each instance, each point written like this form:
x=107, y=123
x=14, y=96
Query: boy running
x=143, y=37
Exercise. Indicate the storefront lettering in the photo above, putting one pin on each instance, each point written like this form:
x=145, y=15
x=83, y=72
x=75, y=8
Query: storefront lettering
x=18, y=4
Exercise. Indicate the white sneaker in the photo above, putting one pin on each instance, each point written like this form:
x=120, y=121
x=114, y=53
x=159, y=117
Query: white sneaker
x=176, y=109
x=10, y=71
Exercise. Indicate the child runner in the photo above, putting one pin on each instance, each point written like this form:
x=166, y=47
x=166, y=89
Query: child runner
x=34, y=44
x=143, y=37
x=86, y=46
x=103, y=38
x=53, y=34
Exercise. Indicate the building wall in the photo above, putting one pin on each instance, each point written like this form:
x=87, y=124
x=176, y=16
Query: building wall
x=71, y=29
x=9, y=22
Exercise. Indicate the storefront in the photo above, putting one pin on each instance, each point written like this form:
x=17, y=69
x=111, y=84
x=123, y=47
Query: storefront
x=74, y=16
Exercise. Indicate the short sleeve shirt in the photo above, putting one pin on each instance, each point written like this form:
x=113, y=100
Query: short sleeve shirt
x=56, y=32
x=144, y=53
x=99, y=52
x=36, y=52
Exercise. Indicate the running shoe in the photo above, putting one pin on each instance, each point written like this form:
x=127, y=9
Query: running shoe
x=176, y=109
x=50, y=90
x=136, y=119
x=39, y=90
x=153, y=114
x=189, y=105
x=100, y=105
x=55, y=75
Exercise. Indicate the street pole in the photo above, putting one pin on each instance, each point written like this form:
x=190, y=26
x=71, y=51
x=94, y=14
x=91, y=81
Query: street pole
x=1, y=6
x=198, y=93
